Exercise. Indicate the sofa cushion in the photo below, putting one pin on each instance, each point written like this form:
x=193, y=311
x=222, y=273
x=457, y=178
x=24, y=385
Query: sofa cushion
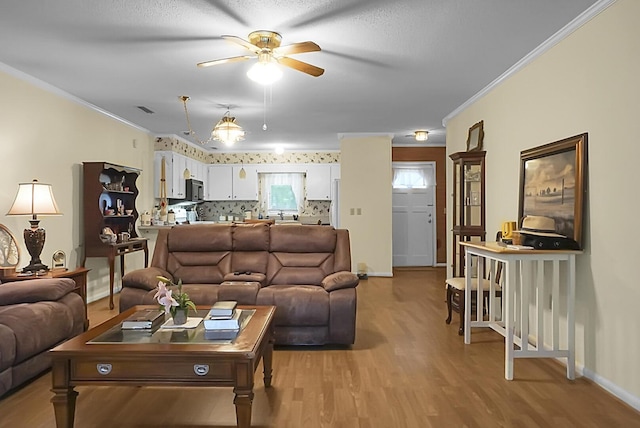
x=30, y=291
x=199, y=253
x=38, y=326
x=250, y=237
x=303, y=239
x=299, y=268
x=205, y=268
x=7, y=346
x=199, y=237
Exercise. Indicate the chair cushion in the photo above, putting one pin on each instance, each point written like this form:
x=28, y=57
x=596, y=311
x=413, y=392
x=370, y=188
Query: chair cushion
x=459, y=283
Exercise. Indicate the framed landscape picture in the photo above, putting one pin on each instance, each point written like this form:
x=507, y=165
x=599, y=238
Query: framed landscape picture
x=552, y=184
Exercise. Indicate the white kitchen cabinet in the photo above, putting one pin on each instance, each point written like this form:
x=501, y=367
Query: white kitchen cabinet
x=202, y=171
x=245, y=189
x=335, y=171
x=219, y=185
x=195, y=169
x=175, y=164
x=318, y=182
x=178, y=179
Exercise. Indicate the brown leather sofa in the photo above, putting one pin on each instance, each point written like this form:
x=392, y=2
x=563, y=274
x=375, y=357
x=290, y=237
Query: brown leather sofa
x=305, y=271
x=35, y=315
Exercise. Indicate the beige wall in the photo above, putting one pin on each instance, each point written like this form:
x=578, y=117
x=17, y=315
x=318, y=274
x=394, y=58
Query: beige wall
x=587, y=83
x=47, y=137
x=365, y=185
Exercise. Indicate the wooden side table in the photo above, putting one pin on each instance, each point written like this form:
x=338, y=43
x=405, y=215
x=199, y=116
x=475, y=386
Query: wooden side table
x=79, y=275
x=121, y=249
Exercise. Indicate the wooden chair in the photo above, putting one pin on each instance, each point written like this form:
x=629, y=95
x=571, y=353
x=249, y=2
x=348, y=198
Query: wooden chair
x=455, y=294
x=455, y=297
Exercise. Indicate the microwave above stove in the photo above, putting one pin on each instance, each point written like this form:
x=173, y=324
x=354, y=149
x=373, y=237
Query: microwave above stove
x=194, y=191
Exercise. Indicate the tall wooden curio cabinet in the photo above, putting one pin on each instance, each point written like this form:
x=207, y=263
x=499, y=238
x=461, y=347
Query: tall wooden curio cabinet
x=109, y=193
x=468, y=203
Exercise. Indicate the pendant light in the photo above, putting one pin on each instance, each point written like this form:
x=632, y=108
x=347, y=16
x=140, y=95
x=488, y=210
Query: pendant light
x=226, y=130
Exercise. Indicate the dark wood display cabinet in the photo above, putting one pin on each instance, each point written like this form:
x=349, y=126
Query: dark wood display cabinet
x=468, y=203
x=110, y=193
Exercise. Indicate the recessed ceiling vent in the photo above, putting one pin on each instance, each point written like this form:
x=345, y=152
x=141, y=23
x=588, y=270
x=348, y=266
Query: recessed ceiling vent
x=146, y=110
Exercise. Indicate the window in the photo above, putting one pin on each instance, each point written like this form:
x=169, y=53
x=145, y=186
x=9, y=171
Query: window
x=281, y=192
x=409, y=178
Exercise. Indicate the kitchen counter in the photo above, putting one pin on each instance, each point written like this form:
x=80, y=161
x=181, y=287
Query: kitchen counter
x=303, y=220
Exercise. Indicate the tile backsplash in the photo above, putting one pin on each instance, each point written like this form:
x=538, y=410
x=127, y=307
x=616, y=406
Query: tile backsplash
x=212, y=210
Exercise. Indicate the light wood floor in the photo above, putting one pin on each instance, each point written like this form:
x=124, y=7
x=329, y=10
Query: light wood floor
x=407, y=369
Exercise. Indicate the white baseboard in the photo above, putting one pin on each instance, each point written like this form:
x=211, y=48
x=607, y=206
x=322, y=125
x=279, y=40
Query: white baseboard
x=604, y=383
x=386, y=274
x=611, y=387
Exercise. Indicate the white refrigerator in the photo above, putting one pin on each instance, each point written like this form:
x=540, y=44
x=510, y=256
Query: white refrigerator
x=335, y=203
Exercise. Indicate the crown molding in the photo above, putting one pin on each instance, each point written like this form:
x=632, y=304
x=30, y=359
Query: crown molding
x=564, y=32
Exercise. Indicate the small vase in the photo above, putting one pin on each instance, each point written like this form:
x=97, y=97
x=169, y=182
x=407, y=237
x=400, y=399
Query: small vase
x=180, y=316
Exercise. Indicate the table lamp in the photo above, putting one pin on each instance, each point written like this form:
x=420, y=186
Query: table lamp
x=34, y=199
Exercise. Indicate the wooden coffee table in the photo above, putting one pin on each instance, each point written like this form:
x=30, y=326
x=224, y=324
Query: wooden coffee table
x=105, y=355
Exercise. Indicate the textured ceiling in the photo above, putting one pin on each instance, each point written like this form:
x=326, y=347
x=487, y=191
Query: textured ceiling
x=391, y=67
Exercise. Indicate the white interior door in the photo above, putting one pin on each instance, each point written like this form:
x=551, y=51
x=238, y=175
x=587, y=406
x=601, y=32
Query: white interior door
x=414, y=223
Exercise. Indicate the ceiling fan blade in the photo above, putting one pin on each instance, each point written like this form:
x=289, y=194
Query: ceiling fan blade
x=296, y=48
x=301, y=66
x=224, y=60
x=242, y=42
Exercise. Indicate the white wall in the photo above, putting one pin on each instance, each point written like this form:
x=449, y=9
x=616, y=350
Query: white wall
x=365, y=185
x=46, y=136
x=589, y=82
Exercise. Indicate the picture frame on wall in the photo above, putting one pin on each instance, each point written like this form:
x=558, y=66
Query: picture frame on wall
x=552, y=184
x=475, y=137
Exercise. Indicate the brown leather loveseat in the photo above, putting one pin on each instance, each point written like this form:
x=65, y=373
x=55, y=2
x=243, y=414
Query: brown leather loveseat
x=303, y=270
x=35, y=316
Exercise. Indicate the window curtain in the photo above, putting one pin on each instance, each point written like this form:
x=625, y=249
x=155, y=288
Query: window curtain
x=409, y=178
x=295, y=180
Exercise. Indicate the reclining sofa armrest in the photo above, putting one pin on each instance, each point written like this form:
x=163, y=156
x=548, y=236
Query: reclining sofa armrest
x=145, y=279
x=339, y=280
x=35, y=290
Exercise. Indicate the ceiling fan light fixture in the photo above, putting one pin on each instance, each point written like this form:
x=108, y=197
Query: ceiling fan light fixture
x=266, y=71
x=421, y=135
x=227, y=130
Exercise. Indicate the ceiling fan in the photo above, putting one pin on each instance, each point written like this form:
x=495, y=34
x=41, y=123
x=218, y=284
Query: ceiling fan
x=265, y=46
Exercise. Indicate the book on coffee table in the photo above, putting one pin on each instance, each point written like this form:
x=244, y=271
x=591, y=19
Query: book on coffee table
x=145, y=319
x=216, y=323
x=222, y=309
x=227, y=334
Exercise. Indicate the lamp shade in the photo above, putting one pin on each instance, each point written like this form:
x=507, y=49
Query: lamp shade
x=34, y=199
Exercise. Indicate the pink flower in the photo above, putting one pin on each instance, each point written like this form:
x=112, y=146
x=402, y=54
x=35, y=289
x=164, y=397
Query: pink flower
x=165, y=297
x=162, y=290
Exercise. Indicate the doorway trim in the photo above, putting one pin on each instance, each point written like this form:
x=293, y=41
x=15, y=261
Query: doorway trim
x=423, y=164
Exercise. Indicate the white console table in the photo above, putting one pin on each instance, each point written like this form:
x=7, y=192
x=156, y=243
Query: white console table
x=524, y=287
